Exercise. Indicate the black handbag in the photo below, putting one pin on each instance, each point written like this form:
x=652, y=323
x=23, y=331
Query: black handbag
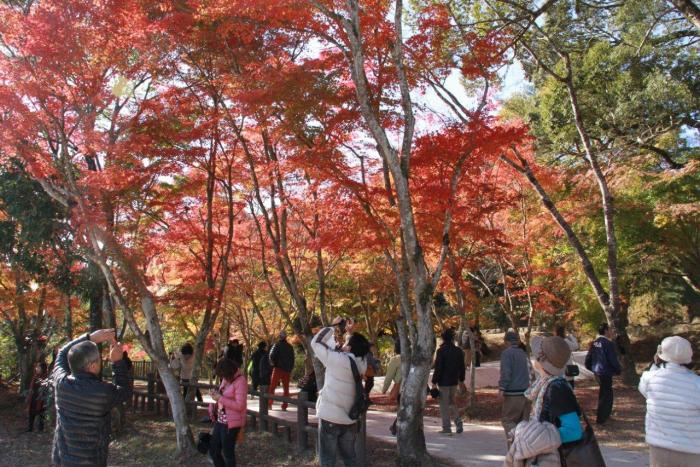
x=582, y=453
x=361, y=404
x=572, y=370
x=203, y=442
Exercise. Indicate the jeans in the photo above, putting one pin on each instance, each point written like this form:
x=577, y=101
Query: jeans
x=605, y=398
x=448, y=409
x=334, y=439
x=279, y=375
x=223, y=441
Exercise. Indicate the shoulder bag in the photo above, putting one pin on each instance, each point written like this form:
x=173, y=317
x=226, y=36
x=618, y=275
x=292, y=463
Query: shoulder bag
x=582, y=453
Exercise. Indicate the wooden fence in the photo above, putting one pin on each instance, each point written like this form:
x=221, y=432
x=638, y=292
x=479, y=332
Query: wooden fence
x=152, y=400
x=143, y=368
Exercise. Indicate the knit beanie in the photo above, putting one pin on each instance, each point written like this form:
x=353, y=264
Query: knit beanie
x=556, y=353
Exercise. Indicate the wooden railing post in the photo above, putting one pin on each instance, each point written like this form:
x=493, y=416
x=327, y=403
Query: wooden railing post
x=263, y=408
x=151, y=382
x=302, y=421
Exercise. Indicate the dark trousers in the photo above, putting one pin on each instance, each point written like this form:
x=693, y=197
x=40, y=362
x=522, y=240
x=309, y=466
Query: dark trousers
x=222, y=447
x=256, y=381
x=334, y=439
x=198, y=394
x=605, y=398
x=33, y=415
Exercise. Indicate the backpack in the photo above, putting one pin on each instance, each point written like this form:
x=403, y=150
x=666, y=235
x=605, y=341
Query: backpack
x=361, y=404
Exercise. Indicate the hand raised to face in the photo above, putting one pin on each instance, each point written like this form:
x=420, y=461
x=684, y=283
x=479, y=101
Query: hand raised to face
x=116, y=352
x=102, y=335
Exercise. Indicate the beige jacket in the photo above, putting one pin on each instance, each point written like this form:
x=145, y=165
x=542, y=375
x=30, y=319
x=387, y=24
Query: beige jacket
x=534, y=443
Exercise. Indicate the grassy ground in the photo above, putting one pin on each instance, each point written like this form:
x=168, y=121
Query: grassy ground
x=150, y=441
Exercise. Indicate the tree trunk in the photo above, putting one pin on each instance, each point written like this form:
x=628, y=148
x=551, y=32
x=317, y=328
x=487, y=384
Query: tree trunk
x=68, y=318
x=96, y=293
x=178, y=409
x=26, y=366
x=613, y=318
x=411, y=439
x=690, y=10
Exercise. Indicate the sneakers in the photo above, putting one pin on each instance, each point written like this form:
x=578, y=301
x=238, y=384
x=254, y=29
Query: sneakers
x=445, y=431
x=460, y=427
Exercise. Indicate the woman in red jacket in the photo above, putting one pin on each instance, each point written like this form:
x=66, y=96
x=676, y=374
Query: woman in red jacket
x=230, y=413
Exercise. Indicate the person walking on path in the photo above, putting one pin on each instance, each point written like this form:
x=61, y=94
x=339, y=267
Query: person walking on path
x=393, y=375
x=449, y=372
x=84, y=401
x=229, y=412
x=515, y=379
x=573, y=346
x=602, y=361
x=337, y=431
x=255, y=358
x=36, y=398
x=553, y=401
x=282, y=360
x=673, y=406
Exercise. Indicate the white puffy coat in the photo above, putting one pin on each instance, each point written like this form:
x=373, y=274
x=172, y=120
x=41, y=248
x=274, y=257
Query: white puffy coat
x=673, y=408
x=338, y=393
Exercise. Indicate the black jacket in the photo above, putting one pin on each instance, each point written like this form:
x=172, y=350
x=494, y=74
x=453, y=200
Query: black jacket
x=265, y=369
x=282, y=355
x=255, y=364
x=83, y=404
x=449, y=365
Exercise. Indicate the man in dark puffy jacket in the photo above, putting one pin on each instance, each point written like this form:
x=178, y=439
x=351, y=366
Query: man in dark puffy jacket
x=449, y=371
x=602, y=361
x=282, y=359
x=84, y=401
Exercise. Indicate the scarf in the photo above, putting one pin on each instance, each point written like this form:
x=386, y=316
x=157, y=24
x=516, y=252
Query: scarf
x=536, y=393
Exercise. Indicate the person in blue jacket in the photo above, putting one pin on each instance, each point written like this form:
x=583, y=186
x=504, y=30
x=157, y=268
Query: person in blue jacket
x=602, y=361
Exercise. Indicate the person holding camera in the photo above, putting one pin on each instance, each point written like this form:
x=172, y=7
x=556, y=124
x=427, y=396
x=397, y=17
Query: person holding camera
x=673, y=406
x=84, y=401
x=337, y=430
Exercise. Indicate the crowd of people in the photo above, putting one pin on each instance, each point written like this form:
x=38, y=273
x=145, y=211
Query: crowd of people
x=542, y=420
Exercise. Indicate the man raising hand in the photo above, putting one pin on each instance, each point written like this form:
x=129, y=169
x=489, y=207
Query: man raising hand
x=84, y=401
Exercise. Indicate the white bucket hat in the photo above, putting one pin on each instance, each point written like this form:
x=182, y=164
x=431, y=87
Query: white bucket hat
x=675, y=349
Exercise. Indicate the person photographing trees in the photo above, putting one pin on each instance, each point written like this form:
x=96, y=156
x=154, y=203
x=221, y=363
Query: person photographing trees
x=84, y=401
x=344, y=368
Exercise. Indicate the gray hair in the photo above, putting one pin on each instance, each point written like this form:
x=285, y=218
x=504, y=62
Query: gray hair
x=82, y=355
